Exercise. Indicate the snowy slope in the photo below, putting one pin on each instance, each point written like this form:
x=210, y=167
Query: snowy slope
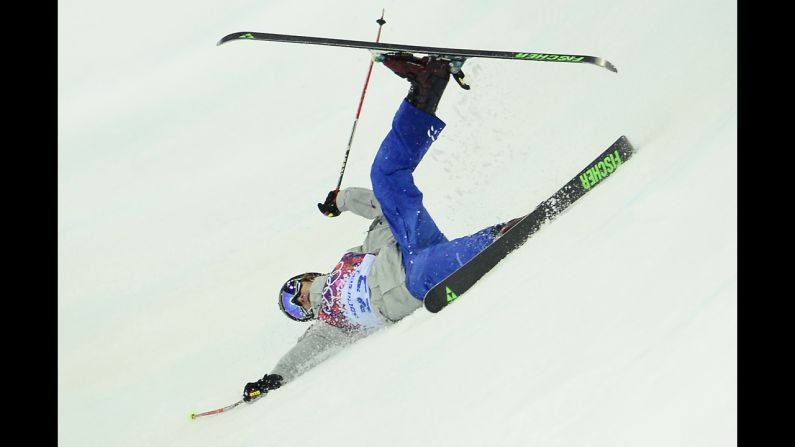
x=189, y=173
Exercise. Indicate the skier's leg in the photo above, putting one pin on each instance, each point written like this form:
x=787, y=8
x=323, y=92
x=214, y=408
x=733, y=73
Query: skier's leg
x=414, y=128
x=413, y=132
x=434, y=263
x=428, y=256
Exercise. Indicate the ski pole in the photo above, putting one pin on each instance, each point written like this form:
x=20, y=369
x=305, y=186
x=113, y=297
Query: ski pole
x=380, y=22
x=194, y=415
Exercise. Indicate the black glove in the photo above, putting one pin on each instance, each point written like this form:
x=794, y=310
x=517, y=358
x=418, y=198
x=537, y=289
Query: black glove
x=329, y=207
x=268, y=382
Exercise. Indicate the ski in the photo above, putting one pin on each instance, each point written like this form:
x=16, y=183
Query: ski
x=436, y=51
x=462, y=279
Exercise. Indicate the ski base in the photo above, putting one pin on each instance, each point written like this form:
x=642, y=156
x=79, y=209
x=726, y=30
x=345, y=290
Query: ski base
x=436, y=51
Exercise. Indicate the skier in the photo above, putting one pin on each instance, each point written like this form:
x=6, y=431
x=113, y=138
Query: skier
x=404, y=253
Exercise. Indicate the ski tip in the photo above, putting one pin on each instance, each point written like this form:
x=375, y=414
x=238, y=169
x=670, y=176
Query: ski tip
x=606, y=64
x=235, y=36
x=191, y=415
x=224, y=39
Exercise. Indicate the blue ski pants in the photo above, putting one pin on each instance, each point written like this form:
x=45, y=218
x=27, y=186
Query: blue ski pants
x=428, y=256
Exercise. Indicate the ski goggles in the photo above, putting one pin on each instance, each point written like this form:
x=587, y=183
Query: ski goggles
x=288, y=300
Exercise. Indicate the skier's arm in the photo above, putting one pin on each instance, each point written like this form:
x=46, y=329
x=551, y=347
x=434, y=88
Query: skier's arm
x=316, y=345
x=360, y=201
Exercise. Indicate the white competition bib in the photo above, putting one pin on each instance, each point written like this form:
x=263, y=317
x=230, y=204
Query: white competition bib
x=346, y=296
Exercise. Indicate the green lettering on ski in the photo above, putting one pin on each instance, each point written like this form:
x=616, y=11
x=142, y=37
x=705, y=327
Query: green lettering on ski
x=246, y=36
x=549, y=57
x=600, y=170
x=450, y=294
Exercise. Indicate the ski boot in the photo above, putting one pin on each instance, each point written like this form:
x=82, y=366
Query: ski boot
x=428, y=77
x=500, y=229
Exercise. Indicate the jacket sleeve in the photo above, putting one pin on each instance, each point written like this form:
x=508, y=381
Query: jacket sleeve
x=318, y=343
x=360, y=201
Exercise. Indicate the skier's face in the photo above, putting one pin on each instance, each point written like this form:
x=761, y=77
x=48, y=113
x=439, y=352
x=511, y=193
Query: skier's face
x=303, y=297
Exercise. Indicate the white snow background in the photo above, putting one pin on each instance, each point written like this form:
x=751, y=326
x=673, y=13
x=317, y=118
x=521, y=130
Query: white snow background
x=189, y=174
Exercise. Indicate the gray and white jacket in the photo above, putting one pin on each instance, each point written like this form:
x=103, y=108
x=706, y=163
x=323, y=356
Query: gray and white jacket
x=386, y=280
